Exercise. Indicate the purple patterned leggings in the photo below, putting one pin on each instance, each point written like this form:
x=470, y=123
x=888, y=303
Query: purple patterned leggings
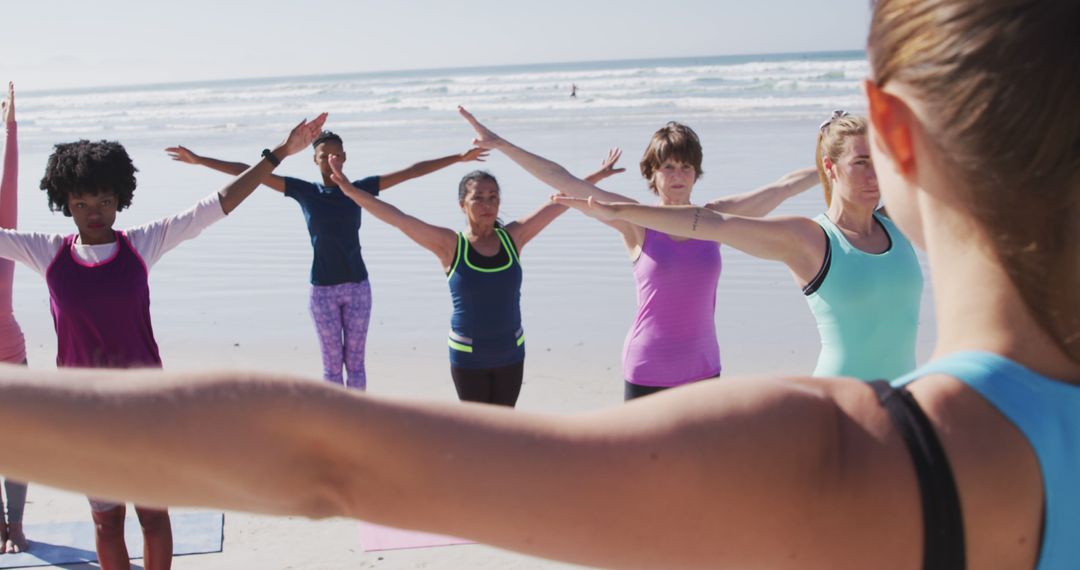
x=342, y=314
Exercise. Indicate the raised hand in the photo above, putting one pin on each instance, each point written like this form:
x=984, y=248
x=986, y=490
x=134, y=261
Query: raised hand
x=485, y=138
x=7, y=106
x=302, y=135
x=182, y=154
x=607, y=167
x=476, y=153
x=337, y=175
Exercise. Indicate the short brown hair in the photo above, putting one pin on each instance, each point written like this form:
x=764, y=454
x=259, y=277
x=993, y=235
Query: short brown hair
x=998, y=86
x=675, y=141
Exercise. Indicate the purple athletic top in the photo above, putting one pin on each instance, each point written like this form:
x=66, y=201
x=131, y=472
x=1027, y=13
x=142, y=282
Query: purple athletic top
x=102, y=311
x=673, y=340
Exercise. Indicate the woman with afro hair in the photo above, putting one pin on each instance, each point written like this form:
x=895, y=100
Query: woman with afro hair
x=98, y=284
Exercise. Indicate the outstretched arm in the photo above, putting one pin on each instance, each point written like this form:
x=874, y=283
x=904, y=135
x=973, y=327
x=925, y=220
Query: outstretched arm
x=9, y=185
x=796, y=241
x=387, y=181
x=558, y=178
x=183, y=154
x=758, y=203
x=440, y=241
x=525, y=229
x=244, y=184
x=543, y=169
x=754, y=466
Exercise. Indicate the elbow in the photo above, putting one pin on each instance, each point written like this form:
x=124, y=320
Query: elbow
x=324, y=502
x=326, y=492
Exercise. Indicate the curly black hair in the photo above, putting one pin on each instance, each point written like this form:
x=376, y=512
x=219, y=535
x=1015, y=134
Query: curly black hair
x=85, y=167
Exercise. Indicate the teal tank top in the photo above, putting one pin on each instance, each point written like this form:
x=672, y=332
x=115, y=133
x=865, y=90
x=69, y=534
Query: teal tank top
x=1047, y=412
x=866, y=306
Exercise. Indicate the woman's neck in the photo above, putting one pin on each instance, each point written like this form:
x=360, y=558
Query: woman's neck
x=850, y=216
x=977, y=304
x=479, y=231
x=100, y=239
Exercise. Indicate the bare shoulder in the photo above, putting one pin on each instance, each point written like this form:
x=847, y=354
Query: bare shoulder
x=799, y=473
x=996, y=470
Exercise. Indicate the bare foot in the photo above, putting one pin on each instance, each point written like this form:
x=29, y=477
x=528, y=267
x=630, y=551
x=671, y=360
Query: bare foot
x=3, y=537
x=16, y=540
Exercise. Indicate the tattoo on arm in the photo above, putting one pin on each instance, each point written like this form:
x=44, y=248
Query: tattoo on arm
x=697, y=216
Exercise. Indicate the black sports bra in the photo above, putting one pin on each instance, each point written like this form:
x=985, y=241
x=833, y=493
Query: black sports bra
x=943, y=522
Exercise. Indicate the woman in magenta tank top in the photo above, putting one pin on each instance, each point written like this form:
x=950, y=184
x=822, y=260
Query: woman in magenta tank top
x=673, y=339
x=99, y=291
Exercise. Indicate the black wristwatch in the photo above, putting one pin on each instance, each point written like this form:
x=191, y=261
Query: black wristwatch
x=270, y=157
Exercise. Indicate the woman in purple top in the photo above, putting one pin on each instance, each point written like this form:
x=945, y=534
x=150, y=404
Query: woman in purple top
x=673, y=339
x=98, y=285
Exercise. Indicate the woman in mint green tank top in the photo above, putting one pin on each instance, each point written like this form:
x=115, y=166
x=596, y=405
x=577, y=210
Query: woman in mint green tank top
x=859, y=273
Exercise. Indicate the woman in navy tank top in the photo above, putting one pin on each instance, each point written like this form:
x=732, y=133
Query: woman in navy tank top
x=486, y=339
x=672, y=341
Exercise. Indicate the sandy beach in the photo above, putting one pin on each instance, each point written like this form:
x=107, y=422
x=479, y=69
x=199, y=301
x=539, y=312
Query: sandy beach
x=236, y=297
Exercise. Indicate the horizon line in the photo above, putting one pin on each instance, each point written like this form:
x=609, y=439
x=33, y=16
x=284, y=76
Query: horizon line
x=209, y=82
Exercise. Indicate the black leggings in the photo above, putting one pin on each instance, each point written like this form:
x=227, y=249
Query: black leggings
x=632, y=391
x=499, y=386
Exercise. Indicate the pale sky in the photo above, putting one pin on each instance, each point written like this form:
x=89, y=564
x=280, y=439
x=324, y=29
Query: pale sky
x=50, y=44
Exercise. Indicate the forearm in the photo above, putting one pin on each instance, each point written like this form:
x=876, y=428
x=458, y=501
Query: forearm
x=9, y=183
x=554, y=175
x=201, y=440
x=597, y=176
x=684, y=221
x=387, y=213
x=244, y=184
x=233, y=168
x=167, y=439
x=762, y=201
x=417, y=170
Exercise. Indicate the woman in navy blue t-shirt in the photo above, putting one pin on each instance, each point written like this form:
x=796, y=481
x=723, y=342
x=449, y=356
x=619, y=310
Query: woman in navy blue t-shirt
x=340, y=291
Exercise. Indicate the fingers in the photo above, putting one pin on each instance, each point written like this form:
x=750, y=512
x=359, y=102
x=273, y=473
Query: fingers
x=335, y=164
x=478, y=154
x=468, y=116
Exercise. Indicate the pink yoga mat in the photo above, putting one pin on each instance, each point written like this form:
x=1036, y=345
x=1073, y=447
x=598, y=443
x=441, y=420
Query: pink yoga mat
x=377, y=537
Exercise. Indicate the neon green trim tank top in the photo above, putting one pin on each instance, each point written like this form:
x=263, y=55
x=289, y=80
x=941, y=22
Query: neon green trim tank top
x=866, y=306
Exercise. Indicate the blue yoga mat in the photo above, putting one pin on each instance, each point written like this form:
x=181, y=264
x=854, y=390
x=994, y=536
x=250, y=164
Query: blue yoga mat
x=73, y=542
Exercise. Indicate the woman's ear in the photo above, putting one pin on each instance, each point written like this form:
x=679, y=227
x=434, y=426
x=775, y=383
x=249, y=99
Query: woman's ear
x=891, y=122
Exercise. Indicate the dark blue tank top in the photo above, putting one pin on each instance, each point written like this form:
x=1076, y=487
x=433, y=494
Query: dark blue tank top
x=485, y=329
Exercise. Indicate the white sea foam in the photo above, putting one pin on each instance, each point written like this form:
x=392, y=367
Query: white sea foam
x=772, y=87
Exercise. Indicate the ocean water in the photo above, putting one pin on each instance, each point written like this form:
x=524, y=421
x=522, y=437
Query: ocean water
x=237, y=295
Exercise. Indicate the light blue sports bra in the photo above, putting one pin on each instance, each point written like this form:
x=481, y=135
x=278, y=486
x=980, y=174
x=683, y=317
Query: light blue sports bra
x=1047, y=412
